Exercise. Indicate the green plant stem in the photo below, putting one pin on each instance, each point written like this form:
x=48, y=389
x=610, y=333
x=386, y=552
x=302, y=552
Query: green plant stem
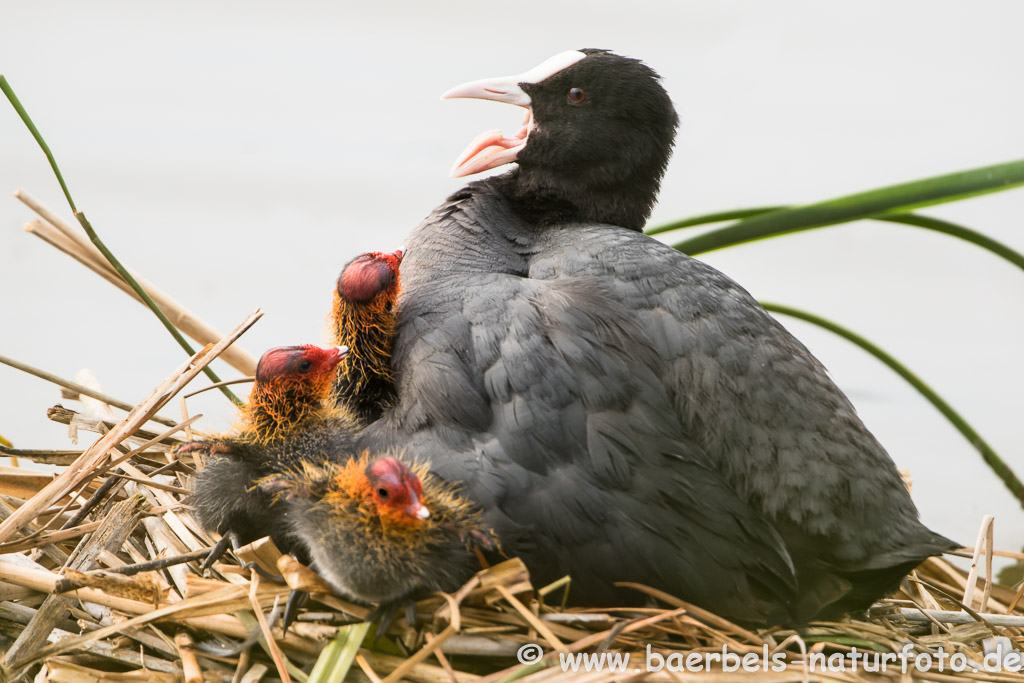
x=718, y=217
x=94, y=238
x=144, y=295
x=966, y=234
x=337, y=657
x=886, y=201
x=913, y=219
x=16, y=103
x=990, y=457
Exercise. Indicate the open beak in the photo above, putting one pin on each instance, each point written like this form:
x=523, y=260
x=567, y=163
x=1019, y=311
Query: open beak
x=503, y=89
x=491, y=148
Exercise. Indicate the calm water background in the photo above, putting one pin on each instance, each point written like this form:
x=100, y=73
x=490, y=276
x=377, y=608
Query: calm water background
x=238, y=154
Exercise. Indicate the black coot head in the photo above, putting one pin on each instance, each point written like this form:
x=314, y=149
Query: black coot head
x=597, y=137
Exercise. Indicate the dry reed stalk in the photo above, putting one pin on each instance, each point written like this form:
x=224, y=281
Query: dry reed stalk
x=969, y=552
x=543, y=629
x=189, y=664
x=985, y=538
x=67, y=238
x=423, y=673
x=698, y=612
x=431, y=647
x=261, y=551
x=171, y=518
x=59, y=670
x=175, y=428
x=70, y=478
x=414, y=668
x=275, y=651
x=21, y=483
x=185, y=612
x=142, y=587
x=41, y=456
x=589, y=641
x=111, y=535
x=78, y=388
x=367, y=669
x=253, y=674
x=439, y=654
x=949, y=617
x=135, y=620
x=76, y=421
x=52, y=552
x=49, y=539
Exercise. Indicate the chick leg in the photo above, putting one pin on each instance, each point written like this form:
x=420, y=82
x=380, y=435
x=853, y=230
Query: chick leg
x=222, y=545
x=296, y=599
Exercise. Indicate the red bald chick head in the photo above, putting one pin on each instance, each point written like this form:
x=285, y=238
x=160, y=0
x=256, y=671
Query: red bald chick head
x=295, y=373
x=303, y=363
x=292, y=383
x=368, y=275
x=396, y=490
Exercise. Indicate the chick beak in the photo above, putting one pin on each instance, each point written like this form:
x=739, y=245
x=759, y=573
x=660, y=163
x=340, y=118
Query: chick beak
x=417, y=510
x=491, y=148
x=338, y=355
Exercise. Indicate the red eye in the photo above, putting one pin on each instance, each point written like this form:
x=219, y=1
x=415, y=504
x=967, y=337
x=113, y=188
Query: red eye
x=575, y=95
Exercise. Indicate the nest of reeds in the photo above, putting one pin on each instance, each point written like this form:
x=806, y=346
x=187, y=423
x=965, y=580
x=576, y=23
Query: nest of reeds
x=100, y=580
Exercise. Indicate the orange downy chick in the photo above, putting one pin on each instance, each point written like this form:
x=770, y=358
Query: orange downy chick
x=289, y=417
x=382, y=530
x=363, y=319
x=292, y=385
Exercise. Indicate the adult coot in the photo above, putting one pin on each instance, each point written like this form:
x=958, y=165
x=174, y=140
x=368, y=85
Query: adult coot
x=621, y=411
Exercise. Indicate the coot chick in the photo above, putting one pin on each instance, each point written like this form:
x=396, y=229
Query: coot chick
x=621, y=411
x=382, y=530
x=288, y=418
x=363, y=320
x=306, y=404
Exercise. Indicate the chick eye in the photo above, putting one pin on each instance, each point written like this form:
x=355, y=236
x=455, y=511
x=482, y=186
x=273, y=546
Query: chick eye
x=382, y=492
x=575, y=95
x=305, y=366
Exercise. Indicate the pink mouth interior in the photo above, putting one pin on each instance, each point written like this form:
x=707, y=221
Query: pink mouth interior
x=491, y=149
